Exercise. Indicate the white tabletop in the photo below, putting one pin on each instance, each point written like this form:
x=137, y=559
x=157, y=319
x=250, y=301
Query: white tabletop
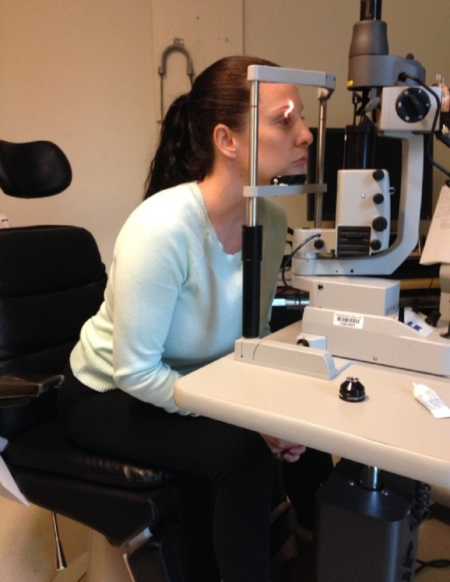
x=390, y=429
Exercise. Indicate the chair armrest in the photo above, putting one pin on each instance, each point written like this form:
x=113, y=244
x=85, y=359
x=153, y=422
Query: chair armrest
x=28, y=385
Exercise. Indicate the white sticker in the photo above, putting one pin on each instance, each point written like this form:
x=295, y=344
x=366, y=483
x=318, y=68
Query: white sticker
x=347, y=319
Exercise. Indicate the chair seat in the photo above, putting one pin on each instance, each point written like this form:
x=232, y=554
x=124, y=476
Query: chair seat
x=116, y=499
x=45, y=448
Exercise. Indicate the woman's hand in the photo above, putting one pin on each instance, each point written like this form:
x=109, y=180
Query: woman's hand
x=284, y=450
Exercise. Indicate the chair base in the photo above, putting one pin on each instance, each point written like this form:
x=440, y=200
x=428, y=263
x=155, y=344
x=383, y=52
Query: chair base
x=101, y=562
x=105, y=561
x=75, y=571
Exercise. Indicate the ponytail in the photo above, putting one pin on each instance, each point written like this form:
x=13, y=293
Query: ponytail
x=170, y=166
x=220, y=94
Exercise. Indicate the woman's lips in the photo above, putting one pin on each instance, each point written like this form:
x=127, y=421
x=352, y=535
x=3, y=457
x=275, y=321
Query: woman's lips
x=301, y=162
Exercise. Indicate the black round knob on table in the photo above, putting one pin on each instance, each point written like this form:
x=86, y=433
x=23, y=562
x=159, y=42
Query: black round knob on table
x=352, y=390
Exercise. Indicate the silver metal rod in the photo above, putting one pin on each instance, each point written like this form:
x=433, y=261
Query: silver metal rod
x=371, y=478
x=320, y=157
x=251, y=205
x=61, y=562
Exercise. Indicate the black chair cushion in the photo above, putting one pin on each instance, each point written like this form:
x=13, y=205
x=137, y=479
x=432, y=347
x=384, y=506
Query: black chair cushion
x=45, y=448
x=115, y=512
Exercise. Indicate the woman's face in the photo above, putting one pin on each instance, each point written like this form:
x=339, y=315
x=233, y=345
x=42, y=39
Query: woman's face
x=284, y=137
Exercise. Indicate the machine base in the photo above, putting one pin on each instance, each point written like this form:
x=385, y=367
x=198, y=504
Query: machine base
x=366, y=535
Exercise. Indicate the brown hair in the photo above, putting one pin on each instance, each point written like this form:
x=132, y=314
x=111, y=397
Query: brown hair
x=220, y=94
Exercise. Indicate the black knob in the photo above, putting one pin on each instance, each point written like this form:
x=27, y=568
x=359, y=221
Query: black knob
x=378, y=198
x=351, y=390
x=303, y=342
x=375, y=245
x=319, y=244
x=378, y=175
x=379, y=224
x=412, y=104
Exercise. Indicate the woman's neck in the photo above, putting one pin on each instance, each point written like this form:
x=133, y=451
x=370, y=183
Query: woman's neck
x=225, y=204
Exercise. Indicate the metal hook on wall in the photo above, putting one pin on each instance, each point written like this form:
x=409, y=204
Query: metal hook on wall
x=176, y=46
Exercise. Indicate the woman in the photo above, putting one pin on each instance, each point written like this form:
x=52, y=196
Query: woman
x=173, y=303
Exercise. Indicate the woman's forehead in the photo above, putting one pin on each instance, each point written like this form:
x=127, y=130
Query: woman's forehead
x=274, y=96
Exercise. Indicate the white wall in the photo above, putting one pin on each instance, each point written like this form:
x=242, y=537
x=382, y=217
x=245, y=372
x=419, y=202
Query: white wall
x=84, y=74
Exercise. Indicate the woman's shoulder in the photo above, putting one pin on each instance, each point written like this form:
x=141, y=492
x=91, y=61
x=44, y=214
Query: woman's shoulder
x=174, y=210
x=171, y=203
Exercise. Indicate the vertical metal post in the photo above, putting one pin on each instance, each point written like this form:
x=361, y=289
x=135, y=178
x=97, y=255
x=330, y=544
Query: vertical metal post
x=371, y=478
x=320, y=155
x=252, y=214
x=252, y=232
x=61, y=562
x=371, y=9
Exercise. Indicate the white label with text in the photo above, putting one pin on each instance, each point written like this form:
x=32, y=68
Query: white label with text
x=347, y=319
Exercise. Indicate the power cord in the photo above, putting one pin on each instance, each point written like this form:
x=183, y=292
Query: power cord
x=419, y=512
x=287, y=259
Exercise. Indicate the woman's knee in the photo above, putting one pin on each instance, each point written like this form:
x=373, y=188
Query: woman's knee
x=245, y=450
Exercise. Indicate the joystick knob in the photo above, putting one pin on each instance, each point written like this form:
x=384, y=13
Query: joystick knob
x=352, y=390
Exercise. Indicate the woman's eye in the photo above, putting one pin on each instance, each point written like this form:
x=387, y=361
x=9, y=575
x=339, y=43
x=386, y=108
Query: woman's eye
x=285, y=121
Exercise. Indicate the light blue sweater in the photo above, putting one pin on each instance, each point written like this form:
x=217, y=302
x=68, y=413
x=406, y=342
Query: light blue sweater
x=173, y=301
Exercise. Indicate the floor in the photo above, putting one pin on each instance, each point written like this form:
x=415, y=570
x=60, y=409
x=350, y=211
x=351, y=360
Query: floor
x=27, y=551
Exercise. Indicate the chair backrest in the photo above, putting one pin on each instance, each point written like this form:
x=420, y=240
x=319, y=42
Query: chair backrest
x=52, y=280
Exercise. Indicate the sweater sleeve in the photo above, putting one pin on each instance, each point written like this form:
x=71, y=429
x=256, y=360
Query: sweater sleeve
x=149, y=269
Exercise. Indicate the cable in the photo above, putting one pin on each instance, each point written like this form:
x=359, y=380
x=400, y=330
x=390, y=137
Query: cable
x=403, y=77
x=420, y=511
x=287, y=259
x=304, y=243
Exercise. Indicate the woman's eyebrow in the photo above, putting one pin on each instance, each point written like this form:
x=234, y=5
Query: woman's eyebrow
x=284, y=109
x=287, y=108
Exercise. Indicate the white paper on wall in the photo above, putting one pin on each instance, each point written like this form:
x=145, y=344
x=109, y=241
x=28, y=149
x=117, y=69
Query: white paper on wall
x=437, y=245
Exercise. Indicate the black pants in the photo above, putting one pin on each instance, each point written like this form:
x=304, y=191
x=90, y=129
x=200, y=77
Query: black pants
x=231, y=475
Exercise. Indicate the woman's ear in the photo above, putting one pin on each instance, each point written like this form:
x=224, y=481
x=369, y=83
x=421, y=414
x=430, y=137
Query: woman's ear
x=225, y=141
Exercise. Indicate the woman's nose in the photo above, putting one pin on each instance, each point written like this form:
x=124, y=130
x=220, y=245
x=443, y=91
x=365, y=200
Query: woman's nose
x=304, y=135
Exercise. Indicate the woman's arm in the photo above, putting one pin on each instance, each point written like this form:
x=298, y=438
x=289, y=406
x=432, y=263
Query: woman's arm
x=148, y=273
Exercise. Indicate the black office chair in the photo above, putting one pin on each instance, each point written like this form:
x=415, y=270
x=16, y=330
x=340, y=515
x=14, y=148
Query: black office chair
x=51, y=280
